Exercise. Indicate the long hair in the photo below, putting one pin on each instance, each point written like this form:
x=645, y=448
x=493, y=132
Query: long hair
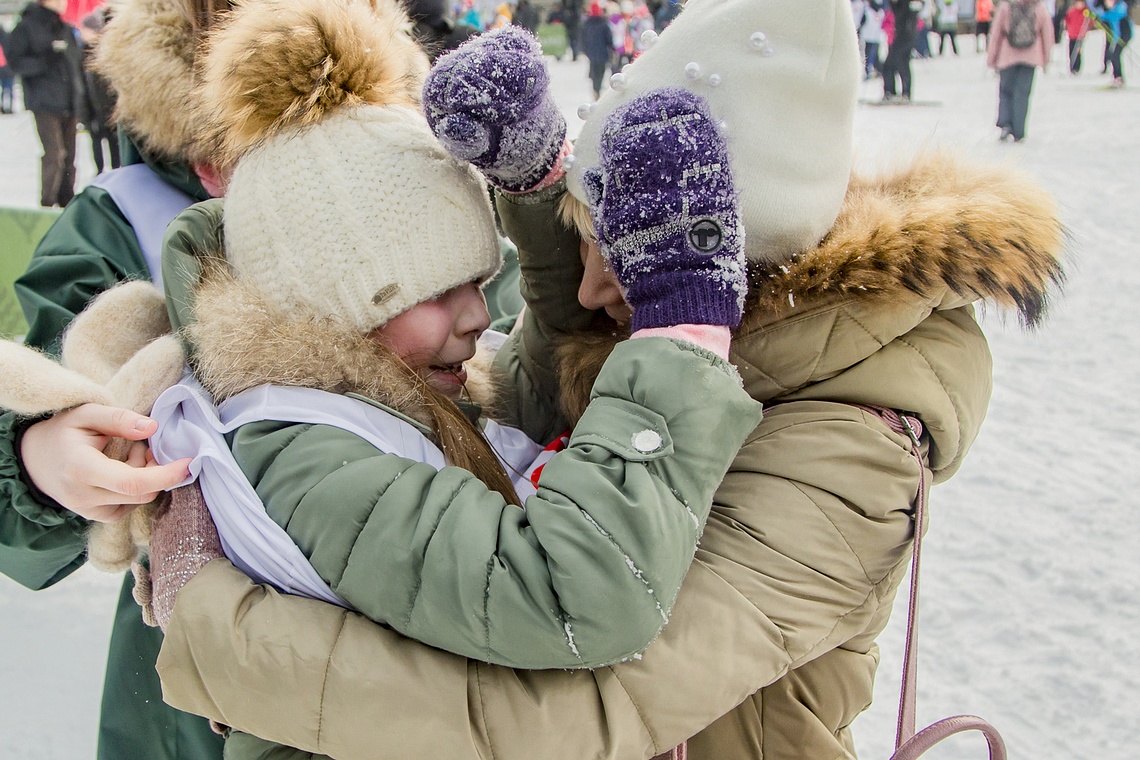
x=462, y=442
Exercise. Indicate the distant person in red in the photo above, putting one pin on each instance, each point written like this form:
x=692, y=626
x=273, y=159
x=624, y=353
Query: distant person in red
x=1078, y=19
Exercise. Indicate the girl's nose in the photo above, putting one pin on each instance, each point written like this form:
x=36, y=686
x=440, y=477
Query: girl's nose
x=473, y=315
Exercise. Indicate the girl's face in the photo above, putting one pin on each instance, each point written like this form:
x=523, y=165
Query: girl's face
x=600, y=288
x=435, y=337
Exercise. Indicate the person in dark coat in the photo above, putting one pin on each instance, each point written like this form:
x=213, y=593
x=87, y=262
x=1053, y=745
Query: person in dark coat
x=896, y=67
x=597, y=44
x=666, y=13
x=44, y=52
x=526, y=17
x=99, y=110
x=431, y=27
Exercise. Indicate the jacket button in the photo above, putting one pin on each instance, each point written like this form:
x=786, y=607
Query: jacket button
x=647, y=441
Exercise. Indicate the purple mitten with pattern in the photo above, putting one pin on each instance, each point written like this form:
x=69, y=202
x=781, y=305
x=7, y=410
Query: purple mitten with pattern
x=489, y=103
x=666, y=212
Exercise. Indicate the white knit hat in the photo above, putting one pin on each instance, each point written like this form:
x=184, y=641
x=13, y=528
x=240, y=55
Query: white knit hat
x=783, y=76
x=342, y=202
x=361, y=216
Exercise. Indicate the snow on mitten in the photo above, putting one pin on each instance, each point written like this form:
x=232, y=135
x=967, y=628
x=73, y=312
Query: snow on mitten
x=666, y=212
x=182, y=541
x=489, y=103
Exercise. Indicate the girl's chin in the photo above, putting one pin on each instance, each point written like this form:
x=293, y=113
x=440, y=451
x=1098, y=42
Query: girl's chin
x=448, y=382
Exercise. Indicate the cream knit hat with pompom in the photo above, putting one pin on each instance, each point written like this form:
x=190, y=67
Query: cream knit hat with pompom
x=342, y=202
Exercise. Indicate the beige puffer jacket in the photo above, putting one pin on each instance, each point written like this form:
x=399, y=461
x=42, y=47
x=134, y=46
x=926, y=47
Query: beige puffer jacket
x=773, y=633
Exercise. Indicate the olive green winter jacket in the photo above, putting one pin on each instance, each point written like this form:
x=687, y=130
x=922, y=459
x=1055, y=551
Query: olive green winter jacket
x=770, y=650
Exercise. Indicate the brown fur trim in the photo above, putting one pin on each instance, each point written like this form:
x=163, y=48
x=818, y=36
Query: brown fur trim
x=984, y=231
x=579, y=360
x=147, y=53
x=282, y=64
x=241, y=341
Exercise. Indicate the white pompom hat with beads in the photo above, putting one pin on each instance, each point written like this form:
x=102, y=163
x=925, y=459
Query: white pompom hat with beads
x=783, y=78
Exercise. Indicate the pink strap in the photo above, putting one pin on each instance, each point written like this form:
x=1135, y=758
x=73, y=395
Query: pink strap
x=908, y=744
x=680, y=752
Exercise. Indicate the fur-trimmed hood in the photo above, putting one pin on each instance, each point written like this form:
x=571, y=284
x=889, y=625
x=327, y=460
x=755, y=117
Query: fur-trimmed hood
x=151, y=52
x=880, y=311
x=240, y=341
x=147, y=53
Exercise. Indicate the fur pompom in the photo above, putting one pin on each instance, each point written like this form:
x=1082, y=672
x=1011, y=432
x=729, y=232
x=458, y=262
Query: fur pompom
x=147, y=53
x=277, y=65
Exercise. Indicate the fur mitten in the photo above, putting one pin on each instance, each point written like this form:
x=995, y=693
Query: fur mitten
x=118, y=352
x=666, y=212
x=489, y=103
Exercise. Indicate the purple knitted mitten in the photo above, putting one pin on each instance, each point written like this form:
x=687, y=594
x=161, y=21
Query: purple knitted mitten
x=666, y=212
x=489, y=103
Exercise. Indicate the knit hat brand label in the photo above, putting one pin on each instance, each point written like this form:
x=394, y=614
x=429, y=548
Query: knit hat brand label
x=705, y=236
x=384, y=294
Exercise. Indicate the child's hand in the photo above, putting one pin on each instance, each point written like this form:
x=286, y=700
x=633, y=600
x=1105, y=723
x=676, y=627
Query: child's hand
x=666, y=212
x=63, y=457
x=489, y=103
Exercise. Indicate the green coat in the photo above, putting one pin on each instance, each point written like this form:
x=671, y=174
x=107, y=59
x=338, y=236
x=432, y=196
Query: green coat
x=90, y=248
x=770, y=651
x=585, y=576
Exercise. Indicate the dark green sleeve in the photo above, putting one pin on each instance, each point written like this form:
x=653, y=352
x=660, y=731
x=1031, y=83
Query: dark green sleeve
x=89, y=248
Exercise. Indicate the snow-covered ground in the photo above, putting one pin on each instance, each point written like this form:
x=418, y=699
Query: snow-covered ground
x=1031, y=617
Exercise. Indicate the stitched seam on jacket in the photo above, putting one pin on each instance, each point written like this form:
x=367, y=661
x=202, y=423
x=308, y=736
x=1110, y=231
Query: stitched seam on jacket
x=364, y=523
x=420, y=567
x=483, y=708
x=640, y=713
x=822, y=511
x=945, y=391
x=325, y=679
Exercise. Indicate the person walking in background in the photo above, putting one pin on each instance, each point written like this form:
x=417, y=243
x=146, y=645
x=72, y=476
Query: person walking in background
x=896, y=67
x=526, y=16
x=1059, y=11
x=666, y=13
x=597, y=45
x=99, y=105
x=873, y=38
x=569, y=12
x=983, y=14
x=1077, y=21
x=946, y=24
x=43, y=50
x=7, y=78
x=1021, y=40
x=1118, y=33
x=924, y=26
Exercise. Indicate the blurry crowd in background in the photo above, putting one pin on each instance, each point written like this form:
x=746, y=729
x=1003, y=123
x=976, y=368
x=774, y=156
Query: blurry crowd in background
x=45, y=44
x=47, y=49
x=930, y=28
